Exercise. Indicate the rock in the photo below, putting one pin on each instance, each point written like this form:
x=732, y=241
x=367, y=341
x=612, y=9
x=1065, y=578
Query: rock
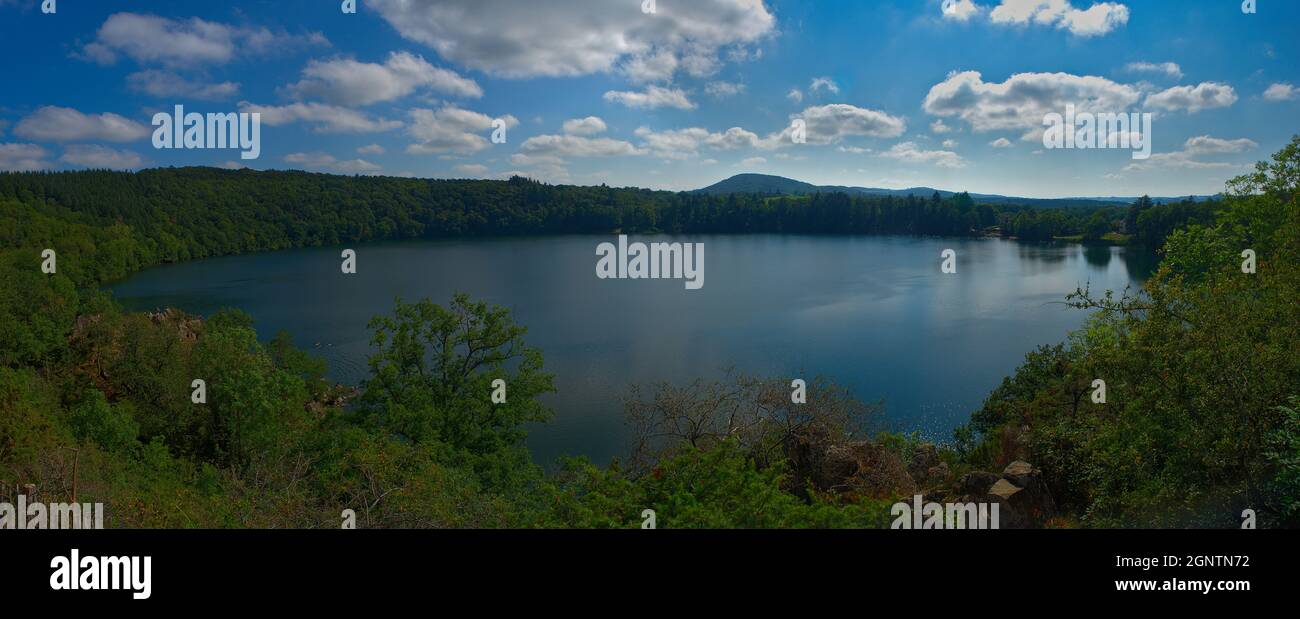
x=924, y=458
x=938, y=475
x=1004, y=490
x=1019, y=473
x=1033, y=500
x=975, y=483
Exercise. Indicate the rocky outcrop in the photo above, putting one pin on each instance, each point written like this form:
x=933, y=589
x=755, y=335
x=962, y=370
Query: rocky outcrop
x=854, y=468
x=1022, y=495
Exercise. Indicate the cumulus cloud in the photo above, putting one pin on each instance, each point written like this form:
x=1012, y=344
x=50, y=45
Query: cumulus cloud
x=371, y=149
x=826, y=124
x=940, y=127
x=62, y=124
x=911, y=153
x=590, y=125
x=1098, y=19
x=685, y=143
x=451, y=130
x=23, y=158
x=166, y=84
x=150, y=39
x=1020, y=102
x=325, y=161
x=1205, y=144
x=324, y=118
x=345, y=81
x=959, y=10
x=652, y=98
x=795, y=95
x=1282, y=92
x=1193, y=147
x=564, y=146
x=753, y=161
x=1001, y=143
x=1168, y=68
x=100, y=157
x=1193, y=99
x=656, y=66
x=579, y=37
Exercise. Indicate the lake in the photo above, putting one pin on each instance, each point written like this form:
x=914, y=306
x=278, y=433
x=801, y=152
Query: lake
x=872, y=313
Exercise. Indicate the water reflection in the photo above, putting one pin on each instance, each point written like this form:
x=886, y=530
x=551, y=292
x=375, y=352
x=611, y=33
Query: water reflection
x=873, y=313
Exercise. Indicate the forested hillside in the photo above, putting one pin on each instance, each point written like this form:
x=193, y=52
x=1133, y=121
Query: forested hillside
x=96, y=404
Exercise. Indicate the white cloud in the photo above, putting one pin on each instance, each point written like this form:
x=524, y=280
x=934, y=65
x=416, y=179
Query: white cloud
x=371, y=149
x=149, y=39
x=959, y=10
x=1023, y=99
x=23, y=158
x=1001, y=143
x=685, y=143
x=1207, y=145
x=1193, y=99
x=1098, y=19
x=578, y=37
x=324, y=161
x=1168, y=68
x=654, y=97
x=753, y=161
x=723, y=90
x=101, y=157
x=911, y=153
x=451, y=130
x=1199, y=145
x=575, y=146
x=826, y=124
x=795, y=95
x=590, y=125
x=62, y=124
x=165, y=84
x=823, y=83
x=325, y=118
x=950, y=144
x=345, y=81
x=1282, y=92
x=940, y=127
x=657, y=66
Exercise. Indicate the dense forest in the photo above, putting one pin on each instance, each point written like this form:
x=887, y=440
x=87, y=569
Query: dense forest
x=169, y=215
x=96, y=404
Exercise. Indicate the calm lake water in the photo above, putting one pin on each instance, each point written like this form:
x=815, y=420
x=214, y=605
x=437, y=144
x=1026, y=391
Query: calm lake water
x=873, y=313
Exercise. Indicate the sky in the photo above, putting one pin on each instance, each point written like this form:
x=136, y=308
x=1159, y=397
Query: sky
x=664, y=94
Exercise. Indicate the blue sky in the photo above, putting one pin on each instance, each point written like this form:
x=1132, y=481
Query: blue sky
x=948, y=94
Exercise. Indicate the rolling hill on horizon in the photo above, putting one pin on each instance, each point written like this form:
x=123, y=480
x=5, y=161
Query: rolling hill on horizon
x=780, y=185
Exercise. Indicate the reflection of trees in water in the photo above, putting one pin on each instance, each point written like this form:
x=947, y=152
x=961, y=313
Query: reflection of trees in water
x=1097, y=255
x=1140, y=261
x=1042, y=258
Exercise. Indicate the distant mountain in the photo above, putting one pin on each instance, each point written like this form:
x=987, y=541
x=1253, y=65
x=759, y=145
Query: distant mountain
x=779, y=185
x=760, y=183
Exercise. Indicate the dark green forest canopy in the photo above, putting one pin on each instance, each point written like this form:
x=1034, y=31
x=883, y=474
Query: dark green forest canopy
x=176, y=214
